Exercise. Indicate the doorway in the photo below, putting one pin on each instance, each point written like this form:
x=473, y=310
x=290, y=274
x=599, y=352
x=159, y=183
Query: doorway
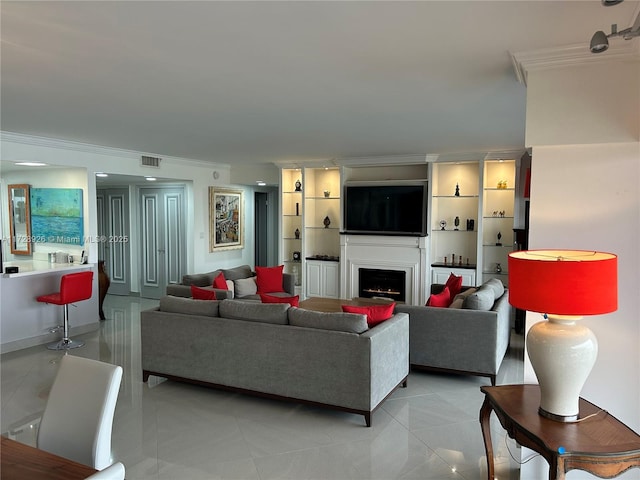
x=266, y=227
x=162, y=238
x=114, y=237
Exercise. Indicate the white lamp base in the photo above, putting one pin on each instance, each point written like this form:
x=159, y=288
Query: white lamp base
x=562, y=353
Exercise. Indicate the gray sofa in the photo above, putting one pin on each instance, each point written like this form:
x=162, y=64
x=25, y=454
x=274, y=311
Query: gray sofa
x=274, y=350
x=471, y=339
x=239, y=286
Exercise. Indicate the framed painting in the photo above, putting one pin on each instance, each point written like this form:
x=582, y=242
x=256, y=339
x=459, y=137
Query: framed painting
x=56, y=215
x=226, y=229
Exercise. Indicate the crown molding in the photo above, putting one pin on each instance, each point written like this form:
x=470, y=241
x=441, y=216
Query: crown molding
x=408, y=159
x=569, y=56
x=97, y=149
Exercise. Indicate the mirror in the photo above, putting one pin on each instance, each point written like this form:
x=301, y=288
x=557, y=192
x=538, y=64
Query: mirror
x=20, y=219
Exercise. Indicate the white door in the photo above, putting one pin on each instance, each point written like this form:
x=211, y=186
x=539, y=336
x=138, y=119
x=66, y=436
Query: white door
x=163, y=239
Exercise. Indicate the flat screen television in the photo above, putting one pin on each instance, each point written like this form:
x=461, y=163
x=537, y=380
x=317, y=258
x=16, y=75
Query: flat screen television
x=386, y=209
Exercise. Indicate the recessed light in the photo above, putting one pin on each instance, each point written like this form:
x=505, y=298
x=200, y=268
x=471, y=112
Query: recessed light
x=31, y=164
x=150, y=179
x=261, y=183
x=101, y=174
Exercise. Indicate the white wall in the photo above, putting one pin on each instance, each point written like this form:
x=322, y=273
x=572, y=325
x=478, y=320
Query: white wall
x=585, y=186
x=196, y=176
x=598, y=103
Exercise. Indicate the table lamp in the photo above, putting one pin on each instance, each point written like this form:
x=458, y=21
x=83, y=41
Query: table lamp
x=563, y=285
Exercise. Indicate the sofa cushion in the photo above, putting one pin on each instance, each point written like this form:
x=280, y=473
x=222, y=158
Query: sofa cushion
x=188, y=306
x=454, y=283
x=201, y=293
x=269, y=279
x=200, y=279
x=266, y=298
x=220, y=282
x=340, y=321
x=255, y=311
x=459, y=298
x=243, y=287
x=481, y=299
x=442, y=299
x=496, y=285
x=375, y=313
x=243, y=271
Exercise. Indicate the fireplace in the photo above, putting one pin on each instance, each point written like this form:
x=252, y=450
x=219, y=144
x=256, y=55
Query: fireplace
x=402, y=255
x=375, y=282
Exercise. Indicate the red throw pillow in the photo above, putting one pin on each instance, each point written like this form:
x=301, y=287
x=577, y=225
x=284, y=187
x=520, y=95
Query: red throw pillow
x=442, y=299
x=375, y=313
x=293, y=301
x=269, y=279
x=220, y=282
x=198, y=293
x=455, y=285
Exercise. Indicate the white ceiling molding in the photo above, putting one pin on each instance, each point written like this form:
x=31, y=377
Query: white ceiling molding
x=408, y=159
x=573, y=55
x=96, y=149
x=505, y=154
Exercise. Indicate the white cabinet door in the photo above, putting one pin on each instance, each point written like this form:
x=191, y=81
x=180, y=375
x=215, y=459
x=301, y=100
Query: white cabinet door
x=331, y=279
x=314, y=279
x=323, y=279
x=440, y=275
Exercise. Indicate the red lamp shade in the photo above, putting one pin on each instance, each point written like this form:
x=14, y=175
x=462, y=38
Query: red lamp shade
x=563, y=282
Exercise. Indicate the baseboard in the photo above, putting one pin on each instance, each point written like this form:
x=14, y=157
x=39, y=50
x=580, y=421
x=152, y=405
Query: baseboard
x=46, y=338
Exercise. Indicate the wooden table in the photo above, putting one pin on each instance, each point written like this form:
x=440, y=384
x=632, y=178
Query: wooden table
x=24, y=462
x=320, y=304
x=600, y=444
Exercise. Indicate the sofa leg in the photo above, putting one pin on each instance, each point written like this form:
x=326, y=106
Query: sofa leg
x=367, y=419
x=493, y=380
x=404, y=384
x=145, y=376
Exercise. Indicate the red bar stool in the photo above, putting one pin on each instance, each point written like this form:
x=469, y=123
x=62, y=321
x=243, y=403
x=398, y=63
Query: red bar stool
x=74, y=287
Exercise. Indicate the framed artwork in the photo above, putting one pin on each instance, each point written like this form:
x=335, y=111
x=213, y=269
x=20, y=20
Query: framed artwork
x=226, y=229
x=56, y=215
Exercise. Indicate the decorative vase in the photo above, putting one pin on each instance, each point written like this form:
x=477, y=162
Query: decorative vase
x=297, y=234
x=457, y=194
x=327, y=193
x=103, y=287
x=456, y=222
x=326, y=222
x=298, y=186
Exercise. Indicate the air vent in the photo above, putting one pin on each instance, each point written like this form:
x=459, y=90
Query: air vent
x=147, y=161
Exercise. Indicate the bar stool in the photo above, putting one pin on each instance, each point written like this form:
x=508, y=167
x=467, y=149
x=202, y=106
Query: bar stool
x=74, y=287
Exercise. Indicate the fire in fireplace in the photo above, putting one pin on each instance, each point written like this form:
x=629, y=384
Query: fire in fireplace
x=382, y=283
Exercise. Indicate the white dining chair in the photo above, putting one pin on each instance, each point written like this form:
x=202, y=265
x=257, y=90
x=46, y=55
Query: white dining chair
x=78, y=418
x=112, y=472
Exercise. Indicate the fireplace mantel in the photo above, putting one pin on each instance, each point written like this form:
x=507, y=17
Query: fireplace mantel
x=408, y=254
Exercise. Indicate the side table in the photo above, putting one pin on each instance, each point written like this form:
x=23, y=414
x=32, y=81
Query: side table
x=601, y=444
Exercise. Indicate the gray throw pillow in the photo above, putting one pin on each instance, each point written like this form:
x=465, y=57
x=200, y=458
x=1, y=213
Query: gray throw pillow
x=496, y=285
x=481, y=299
x=189, y=306
x=255, y=311
x=243, y=287
x=342, y=322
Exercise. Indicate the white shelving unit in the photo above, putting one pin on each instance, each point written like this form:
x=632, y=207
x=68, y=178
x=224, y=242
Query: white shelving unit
x=292, y=231
x=455, y=195
x=498, y=217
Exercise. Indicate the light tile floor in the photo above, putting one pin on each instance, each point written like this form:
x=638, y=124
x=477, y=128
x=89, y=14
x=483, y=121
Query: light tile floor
x=167, y=430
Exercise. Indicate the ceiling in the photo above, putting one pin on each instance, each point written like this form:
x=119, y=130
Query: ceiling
x=244, y=82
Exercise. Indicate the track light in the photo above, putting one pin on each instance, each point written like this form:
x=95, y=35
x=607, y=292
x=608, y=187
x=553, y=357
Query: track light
x=600, y=41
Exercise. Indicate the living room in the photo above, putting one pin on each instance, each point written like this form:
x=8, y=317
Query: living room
x=585, y=145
